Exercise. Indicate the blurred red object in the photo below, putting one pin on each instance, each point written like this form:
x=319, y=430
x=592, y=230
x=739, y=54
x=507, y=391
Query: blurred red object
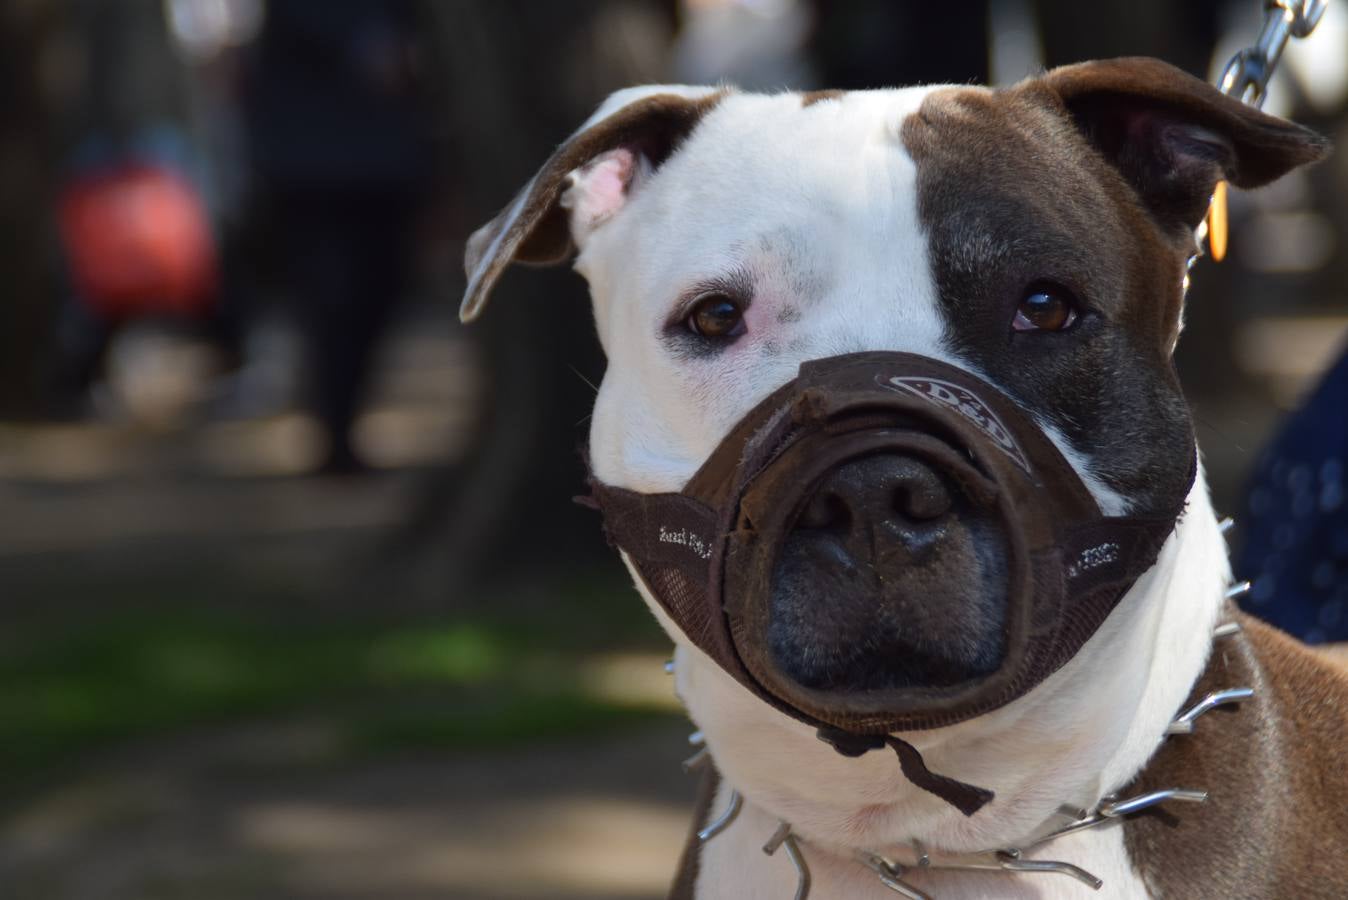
x=139, y=243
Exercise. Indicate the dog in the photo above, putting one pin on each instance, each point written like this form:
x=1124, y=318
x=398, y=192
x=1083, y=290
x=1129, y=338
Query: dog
x=1037, y=238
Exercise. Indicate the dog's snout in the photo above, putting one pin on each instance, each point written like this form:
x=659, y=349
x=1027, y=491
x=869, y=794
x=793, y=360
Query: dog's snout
x=889, y=577
x=888, y=492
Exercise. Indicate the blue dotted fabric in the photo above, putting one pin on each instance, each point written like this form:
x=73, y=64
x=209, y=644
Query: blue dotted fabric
x=1296, y=520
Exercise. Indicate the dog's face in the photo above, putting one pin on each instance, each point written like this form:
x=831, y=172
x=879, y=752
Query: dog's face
x=1036, y=236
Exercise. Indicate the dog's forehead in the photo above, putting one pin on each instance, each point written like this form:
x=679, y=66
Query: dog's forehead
x=792, y=185
x=773, y=156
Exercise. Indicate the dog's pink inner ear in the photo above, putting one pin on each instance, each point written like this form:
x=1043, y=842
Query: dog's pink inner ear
x=598, y=189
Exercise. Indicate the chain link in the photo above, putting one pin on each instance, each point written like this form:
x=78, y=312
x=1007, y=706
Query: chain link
x=1246, y=75
x=1246, y=78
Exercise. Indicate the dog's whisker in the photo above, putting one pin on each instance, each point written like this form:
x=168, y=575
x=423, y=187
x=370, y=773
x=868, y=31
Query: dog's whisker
x=590, y=384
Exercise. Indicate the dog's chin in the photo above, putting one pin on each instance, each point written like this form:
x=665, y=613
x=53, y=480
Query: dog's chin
x=937, y=618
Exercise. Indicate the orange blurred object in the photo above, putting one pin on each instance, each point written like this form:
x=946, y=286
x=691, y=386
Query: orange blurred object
x=139, y=243
x=1217, y=220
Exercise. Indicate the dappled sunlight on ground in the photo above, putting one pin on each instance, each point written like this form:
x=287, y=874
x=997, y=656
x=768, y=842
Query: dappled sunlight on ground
x=211, y=816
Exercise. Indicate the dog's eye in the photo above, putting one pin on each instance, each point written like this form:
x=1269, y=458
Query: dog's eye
x=1045, y=307
x=716, y=316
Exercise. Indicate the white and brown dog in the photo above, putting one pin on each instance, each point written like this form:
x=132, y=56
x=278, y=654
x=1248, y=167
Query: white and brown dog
x=1036, y=236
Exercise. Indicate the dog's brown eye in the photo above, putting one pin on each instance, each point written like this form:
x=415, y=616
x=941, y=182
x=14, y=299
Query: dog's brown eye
x=716, y=315
x=1046, y=307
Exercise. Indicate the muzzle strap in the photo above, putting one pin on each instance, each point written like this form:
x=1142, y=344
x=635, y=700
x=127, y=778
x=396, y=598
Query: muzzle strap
x=965, y=797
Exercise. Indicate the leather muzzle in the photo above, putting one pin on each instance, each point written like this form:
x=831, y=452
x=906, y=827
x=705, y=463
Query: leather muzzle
x=707, y=554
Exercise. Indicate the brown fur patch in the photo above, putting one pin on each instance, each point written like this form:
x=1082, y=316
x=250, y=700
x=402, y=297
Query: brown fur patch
x=1090, y=178
x=1010, y=194
x=810, y=98
x=1276, y=771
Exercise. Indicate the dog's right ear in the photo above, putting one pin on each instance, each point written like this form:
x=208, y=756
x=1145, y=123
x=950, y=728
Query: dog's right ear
x=584, y=183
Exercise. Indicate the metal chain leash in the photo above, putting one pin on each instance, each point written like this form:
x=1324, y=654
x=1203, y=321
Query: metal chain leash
x=1246, y=77
x=1247, y=74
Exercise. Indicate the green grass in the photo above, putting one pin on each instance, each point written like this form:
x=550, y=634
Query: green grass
x=69, y=689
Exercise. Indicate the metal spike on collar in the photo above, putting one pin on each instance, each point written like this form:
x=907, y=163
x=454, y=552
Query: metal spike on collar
x=1011, y=859
x=1226, y=524
x=1119, y=808
x=1011, y=862
x=783, y=838
x=722, y=822
x=1184, y=724
x=1226, y=629
x=1112, y=809
x=1239, y=589
x=696, y=761
x=891, y=876
x=698, y=740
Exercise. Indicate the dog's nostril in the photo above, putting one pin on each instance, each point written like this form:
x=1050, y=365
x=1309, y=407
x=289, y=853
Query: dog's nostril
x=923, y=498
x=826, y=511
x=883, y=490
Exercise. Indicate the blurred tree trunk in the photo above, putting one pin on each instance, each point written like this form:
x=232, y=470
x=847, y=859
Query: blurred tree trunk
x=518, y=77
x=30, y=62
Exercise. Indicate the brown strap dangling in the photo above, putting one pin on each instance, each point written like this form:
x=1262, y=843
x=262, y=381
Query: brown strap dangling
x=967, y=798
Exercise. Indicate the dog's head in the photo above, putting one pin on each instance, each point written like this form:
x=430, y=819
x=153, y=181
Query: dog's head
x=1036, y=236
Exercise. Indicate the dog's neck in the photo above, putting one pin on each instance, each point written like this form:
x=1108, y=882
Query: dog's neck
x=1084, y=732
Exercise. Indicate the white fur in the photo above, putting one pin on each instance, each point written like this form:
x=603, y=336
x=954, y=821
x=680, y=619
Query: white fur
x=823, y=218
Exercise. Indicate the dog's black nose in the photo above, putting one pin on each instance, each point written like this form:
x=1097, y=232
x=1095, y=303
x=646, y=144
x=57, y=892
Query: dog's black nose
x=882, y=508
x=890, y=577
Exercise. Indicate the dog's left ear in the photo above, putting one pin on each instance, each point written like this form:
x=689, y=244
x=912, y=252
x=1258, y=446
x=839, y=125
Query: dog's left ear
x=584, y=183
x=1174, y=136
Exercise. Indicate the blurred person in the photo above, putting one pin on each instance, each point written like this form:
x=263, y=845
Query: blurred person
x=136, y=235
x=1296, y=519
x=341, y=155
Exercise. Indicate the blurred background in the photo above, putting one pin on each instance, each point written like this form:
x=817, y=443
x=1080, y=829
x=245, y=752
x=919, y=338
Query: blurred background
x=295, y=603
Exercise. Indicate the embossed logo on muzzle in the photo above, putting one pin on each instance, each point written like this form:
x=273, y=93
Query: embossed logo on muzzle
x=964, y=402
